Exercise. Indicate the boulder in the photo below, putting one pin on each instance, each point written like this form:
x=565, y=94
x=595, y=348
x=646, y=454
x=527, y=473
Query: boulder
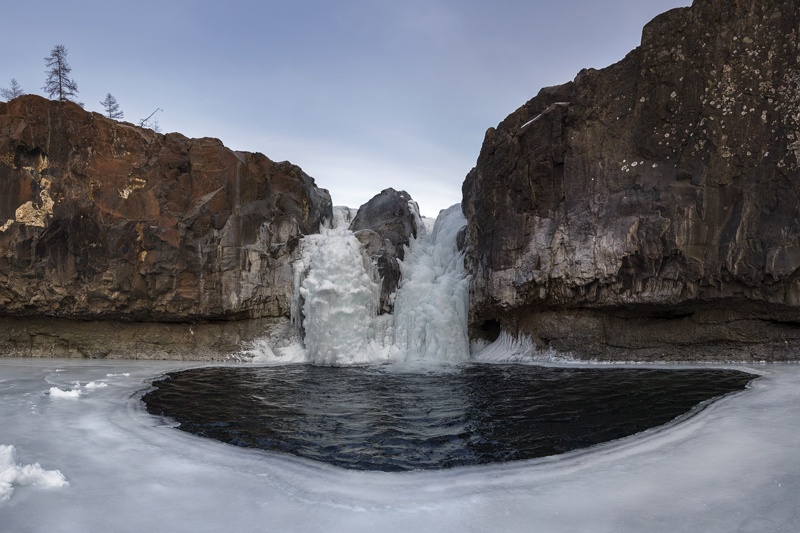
x=651, y=209
x=385, y=225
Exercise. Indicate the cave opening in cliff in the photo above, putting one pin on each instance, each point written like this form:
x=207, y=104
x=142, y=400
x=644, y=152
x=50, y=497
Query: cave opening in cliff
x=491, y=329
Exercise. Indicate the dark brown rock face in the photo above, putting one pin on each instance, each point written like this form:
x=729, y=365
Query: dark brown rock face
x=385, y=225
x=101, y=219
x=651, y=209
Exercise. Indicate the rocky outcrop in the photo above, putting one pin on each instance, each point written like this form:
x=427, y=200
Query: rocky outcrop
x=651, y=209
x=104, y=220
x=385, y=225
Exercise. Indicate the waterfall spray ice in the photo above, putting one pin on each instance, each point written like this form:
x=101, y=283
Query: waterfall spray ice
x=336, y=297
x=430, y=317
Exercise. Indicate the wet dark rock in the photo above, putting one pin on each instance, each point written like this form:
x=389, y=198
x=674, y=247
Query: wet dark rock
x=651, y=209
x=386, y=224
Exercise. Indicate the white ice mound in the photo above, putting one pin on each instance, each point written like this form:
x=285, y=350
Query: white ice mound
x=13, y=474
x=74, y=394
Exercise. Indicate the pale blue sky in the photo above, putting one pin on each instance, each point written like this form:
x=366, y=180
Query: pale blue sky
x=363, y=95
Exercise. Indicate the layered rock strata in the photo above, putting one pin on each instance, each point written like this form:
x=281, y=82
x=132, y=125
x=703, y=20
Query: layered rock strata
x=651, y=209
x=103, y=220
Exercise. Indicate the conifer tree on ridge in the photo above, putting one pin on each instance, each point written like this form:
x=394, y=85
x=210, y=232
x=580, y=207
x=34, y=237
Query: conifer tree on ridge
x=58, y=83
x=13, y=90
x=112, y=108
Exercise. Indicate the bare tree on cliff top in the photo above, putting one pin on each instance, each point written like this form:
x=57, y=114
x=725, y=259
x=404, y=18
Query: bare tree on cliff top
x=13, y=90
x=112, y=107
x=150, y=122
x=58, y=83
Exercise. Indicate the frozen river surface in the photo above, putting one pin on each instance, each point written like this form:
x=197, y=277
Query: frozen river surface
x=78, y=452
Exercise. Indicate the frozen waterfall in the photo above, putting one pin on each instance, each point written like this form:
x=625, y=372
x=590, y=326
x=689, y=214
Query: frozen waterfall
x=336, y=297
x=430, y=314
x=339, y=302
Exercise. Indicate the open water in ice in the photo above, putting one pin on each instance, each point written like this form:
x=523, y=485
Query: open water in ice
x=374, y=418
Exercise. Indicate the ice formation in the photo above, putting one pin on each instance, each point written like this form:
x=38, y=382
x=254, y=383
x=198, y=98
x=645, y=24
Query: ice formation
x=430, y=318
x=728, y=468
x=335, y=297
x=12, y=473
x=337, y=291
x=339, y=300
x=57, y=393
x=521, y=349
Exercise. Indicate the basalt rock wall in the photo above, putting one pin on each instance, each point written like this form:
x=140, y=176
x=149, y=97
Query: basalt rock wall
x=104, y=220
x=651, y=209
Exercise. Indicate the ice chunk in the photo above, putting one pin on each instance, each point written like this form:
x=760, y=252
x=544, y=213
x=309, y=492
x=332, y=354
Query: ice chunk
x=12, y=474
x=73, y=394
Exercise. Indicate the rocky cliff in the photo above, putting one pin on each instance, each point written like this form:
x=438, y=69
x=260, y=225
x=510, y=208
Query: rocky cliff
x=100, y=219
x=651, y=209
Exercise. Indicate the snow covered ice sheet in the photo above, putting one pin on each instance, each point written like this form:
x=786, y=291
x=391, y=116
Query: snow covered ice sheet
x=733, y=467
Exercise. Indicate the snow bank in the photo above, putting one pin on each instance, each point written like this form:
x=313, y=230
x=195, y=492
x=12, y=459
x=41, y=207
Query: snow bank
x=733, y=466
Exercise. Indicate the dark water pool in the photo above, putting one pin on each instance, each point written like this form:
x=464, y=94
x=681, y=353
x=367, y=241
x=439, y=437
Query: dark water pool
x=376, y=418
